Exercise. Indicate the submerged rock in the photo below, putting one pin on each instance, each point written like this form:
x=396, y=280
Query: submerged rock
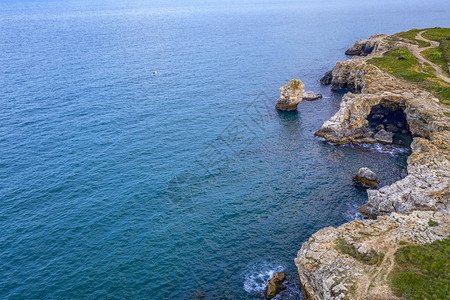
x=327, y=77
x=309, y=96
x=366, y=179
x=275, y=285
x=290, y=95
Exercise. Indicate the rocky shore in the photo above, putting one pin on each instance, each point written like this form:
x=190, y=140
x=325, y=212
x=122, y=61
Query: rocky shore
x=381, y=108
x=354, y=260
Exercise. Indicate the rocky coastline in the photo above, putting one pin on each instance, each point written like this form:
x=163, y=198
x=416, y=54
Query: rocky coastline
x=380, y=108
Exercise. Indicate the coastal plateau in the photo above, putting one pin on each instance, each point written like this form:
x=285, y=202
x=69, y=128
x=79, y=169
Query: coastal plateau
x=398, y=96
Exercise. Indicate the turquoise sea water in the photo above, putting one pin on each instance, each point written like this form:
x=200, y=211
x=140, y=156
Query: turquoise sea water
x=115, y=183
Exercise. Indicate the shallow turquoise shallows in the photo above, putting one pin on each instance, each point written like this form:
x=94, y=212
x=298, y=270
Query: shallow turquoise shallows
x=119, y=184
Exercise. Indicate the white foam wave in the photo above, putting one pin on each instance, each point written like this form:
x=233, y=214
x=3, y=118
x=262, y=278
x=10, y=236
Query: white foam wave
x=257, y=275
x=392, y=150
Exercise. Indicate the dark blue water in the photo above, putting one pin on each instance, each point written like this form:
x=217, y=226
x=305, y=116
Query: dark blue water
x=118, y=184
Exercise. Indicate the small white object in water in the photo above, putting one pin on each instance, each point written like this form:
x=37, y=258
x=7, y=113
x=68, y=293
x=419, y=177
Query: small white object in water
x=154, y=73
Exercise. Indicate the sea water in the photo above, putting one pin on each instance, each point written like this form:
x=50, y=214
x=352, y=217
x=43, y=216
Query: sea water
x=119, y=184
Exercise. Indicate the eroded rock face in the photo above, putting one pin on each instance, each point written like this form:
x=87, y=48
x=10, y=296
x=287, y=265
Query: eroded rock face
x=428, y=166
x=367, y=46
x=354, y=260
x=290, y=95
x=427, y=185
x=275, y=285
x=327, y=77
x=366, y=179
x=349, y=76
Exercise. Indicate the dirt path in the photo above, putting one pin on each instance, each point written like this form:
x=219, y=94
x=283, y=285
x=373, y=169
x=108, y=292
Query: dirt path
x=415, y=50
x=385, y=266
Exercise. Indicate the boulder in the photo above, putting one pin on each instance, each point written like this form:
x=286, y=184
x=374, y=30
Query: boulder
x=309, y=96
x=290, y=95
x=379, y=127
x=326, y=79
x=275, y=285
x=366, y=179
x=391, y=128
x=384, y=136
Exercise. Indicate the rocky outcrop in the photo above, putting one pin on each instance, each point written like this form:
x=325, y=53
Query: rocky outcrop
x=427, y=120
x=275, y=285
x=327, y=78
x=349, y=76
x=366, y=179
x=309, y=96
x=427, y=185
x=354, y=260
x=367, y=46
x=384, y=136
x=290, y=95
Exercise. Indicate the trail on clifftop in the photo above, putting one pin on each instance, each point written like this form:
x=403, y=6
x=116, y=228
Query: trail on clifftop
x=415, y=50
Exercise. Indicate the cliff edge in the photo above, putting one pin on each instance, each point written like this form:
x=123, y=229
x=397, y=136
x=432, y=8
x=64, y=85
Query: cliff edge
x=392, y=100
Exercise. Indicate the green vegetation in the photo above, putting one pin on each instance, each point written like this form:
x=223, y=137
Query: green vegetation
x=411, y=35
x=440, y=55
x=403, y=64
x=432, y=223
x=436, y=34
x=370, y=258
x=436, y=55
x=422, y=272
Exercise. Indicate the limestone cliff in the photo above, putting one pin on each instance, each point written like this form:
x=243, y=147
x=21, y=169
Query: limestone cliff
x=367, y=46
x=354, y=260
x=428, y=181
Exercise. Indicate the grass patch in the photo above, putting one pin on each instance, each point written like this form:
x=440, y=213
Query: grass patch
x=440, y=55
x=422, y=272
x=370, y=258
x=432, y=223
x=411, y=35
x=403, y=64
x=436, y=34
x=437, y=56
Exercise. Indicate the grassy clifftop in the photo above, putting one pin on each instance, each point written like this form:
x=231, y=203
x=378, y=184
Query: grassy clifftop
x=422, y=272
x=403, y=64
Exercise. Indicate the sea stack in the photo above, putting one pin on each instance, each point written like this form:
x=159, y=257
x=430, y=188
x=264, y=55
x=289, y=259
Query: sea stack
x=290, y=95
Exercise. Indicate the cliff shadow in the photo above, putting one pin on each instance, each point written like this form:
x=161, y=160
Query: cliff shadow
x=388, y=120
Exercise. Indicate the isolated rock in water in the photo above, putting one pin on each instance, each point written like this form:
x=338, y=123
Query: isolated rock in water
x=290, y=95
x=384, y=136
x=366, y=178
x=326, y=79
x=275, y=285
x=311, y=96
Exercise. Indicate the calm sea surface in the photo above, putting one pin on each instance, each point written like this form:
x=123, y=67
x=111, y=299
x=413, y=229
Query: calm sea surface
x=116, y=184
